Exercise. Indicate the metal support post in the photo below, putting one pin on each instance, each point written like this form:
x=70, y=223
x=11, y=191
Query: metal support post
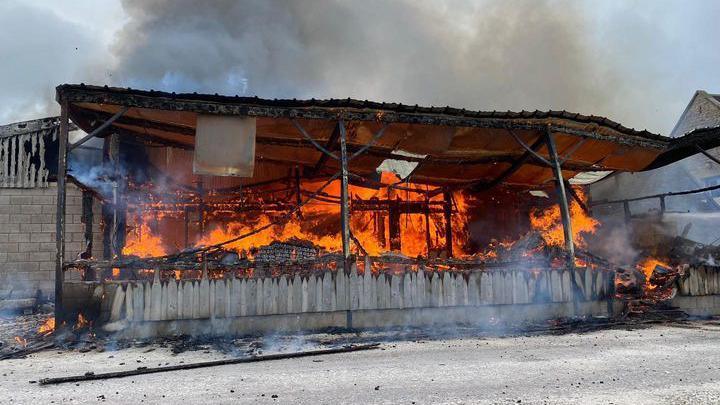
x=344, y=209
x=662, y=206
x=60, y=212
x=562, y=199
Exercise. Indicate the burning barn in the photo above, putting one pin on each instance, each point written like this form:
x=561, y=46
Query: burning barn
x=238, y=214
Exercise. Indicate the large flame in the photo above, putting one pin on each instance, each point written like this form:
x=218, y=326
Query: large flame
x=548, y=222
x=142, y=242
x=318, y=222
x=320, y=225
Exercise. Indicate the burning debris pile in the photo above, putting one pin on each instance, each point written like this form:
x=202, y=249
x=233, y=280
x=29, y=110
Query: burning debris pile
x=399, y=230
x=305, y=240
x=293, y=250
x=424, y=234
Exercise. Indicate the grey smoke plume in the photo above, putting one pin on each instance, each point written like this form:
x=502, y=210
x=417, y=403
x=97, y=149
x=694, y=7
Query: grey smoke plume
x=629, y=61
x=637, y=62
x=489, y=55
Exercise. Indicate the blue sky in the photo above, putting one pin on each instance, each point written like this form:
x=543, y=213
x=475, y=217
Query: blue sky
x=636, y=62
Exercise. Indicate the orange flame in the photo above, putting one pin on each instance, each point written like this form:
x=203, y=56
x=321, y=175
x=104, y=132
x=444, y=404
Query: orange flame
x=21, y=341
x=82, y=322
x=548, y=222
x=47, y=327
x=320, y=223
x=647, y=266
x=143, y=242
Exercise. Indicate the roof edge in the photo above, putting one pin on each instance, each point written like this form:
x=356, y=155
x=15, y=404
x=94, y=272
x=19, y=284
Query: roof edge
x=362, y=110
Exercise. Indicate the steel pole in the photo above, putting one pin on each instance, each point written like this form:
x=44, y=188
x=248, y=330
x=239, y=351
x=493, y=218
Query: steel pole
x=344, y=209
x=60, y=211
x=562, y=198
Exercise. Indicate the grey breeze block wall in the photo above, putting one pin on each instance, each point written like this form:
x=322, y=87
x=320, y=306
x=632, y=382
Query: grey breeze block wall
x=27, y=238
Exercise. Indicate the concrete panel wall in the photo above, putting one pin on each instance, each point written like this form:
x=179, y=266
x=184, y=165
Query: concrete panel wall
x=367, y=300
x=337, y=291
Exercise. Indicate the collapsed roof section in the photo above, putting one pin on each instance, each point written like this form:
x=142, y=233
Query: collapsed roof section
x=452, y=148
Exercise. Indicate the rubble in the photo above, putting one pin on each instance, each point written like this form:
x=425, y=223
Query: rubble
x=291, y=250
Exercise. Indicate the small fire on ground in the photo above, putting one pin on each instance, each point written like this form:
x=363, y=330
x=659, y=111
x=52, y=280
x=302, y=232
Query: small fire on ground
x=47, y=327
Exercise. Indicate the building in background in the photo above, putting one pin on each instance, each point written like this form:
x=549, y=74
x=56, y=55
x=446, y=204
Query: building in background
x=697, y=216
x=28, y=193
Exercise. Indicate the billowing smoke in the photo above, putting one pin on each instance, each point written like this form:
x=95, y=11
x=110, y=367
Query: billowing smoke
x=637, y=63
x=485, y=55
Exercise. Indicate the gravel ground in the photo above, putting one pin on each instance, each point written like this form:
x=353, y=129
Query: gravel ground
x=24, y=326
x=659, y=364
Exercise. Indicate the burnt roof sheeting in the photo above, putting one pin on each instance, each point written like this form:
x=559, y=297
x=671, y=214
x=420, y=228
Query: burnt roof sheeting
x=461, y=146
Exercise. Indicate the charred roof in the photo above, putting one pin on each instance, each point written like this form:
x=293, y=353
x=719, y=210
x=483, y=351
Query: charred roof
x=455, y=147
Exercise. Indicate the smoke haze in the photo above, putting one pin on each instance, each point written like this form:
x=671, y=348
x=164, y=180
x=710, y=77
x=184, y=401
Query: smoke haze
x=499, y=55
x=636, y=62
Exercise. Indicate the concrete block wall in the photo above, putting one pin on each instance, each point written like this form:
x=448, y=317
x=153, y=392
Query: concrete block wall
x=27, y=238
x=337, y=291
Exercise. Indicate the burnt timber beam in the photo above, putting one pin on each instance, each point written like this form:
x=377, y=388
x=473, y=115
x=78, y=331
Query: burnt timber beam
x=378, y=152
x=329, y=145
x=514, y=167
x=93, y=115
x=394, y=225
x=87, y=220
x=60, y=212
x=253, y=359
x=359, y=245
x=447, y=209
x=387, y=154
x=407, y=207
x=119, y=187
x=428, y=239
x=562, y=198
x=312, y=140
x=576, y=197
x=530, y=150
x=370, y=144
x=99, y=130
x=186, y=227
